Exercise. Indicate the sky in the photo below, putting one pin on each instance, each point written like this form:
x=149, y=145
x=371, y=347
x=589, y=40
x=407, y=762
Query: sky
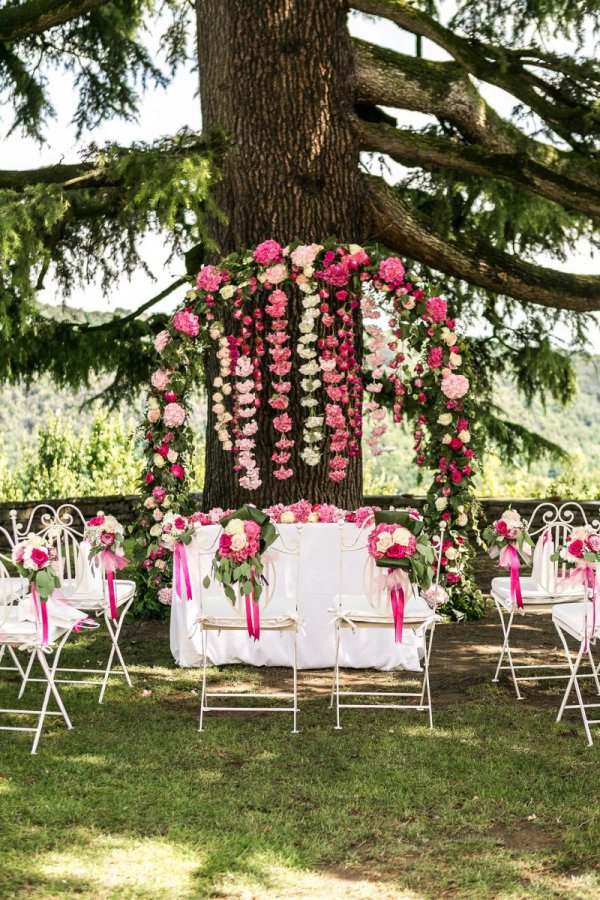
x=163, y=112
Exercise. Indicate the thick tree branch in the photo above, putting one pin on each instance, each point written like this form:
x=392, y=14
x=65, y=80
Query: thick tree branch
x=476, y=262
x=37, y=16
x=500, y=67
x=444, y=90
x=437, y=153
x=119, y=321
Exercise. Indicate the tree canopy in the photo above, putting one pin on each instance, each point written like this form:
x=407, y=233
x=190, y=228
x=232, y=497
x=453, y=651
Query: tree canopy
x=487, y=205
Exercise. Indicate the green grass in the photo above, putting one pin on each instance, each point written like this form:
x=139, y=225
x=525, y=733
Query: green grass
x=497, y=801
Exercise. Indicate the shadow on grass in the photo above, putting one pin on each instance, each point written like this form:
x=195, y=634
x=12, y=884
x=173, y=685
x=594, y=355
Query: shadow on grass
x=135, y=803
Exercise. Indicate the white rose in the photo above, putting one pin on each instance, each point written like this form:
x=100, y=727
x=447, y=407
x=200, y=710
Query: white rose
x=153, y=403
x=218, y=397
x=309, y=271
x=166, y=503
x=512, y=518
x=236, y=526
x=227, y=445
x=172, y=455
x=441, y=503
x=313, y=517
x=238, y=541
x=462, y=519
x=402, y=536
x=217, y=382
x=218, y=409
x=384, y=541
x=444, y=419
x=149, y=503
x=446, y=439
x=451, y=553
x=455, y=360
x=464, y=436
x=226, y=389
x=288, y=517
x=450, y=339
x=156, y=530
x=158, y=460
x=354, y=249
x=227, y=292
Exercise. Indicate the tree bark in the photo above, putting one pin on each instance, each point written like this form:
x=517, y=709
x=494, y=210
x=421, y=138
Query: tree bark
x=278, y=78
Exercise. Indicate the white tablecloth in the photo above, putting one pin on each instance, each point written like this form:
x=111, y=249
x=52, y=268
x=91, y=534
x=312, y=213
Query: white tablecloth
x=319, y=584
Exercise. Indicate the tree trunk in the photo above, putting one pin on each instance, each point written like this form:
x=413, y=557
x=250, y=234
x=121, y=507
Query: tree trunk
x=277, y=76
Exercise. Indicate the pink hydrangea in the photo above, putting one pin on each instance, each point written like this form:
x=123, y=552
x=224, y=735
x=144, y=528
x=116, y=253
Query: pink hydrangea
x=160, y=379
x=435, y=358
x=276, y=274
x=165, y=596
x=173, y=415
x=304, y=255
x=209, y=278
x=274, y=512
x=302, y=509
x=186, y=322
x=436, y=308
x=161, y=340
x=364, y=515
x=268, y=252
x=329, y=513
x=454, y=386
x=337, y=274
x=391, y=271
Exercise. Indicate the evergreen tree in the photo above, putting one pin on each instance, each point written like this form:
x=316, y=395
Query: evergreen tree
x=289, y=101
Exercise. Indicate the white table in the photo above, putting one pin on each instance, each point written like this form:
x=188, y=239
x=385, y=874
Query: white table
x=319, y=583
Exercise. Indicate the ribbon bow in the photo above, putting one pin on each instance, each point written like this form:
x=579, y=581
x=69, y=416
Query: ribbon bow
x=509, y=559
x=110, y=562
x=181, y=571
x=585, y=573
x=252, y=612
x=41, y=611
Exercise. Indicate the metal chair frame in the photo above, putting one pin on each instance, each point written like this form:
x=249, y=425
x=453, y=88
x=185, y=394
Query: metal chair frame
x=239, y=624
x=560, y=520
x=11, y=599
x=33, y=644
x=424, y=627
x=65, y=525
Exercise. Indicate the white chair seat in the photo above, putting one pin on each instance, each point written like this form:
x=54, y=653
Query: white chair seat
x=231, y=623
x=93, y=600
x=534, y=594
x=19, y=632
x=571, y=618
x=11, y=588
x=416, y=611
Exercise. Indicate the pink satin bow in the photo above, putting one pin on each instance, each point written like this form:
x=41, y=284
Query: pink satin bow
x=509, y=559
x=110, y=562
x=182, y=572
x=41, y=611
x=252, y=615
x=585, y=573
x=398, y=585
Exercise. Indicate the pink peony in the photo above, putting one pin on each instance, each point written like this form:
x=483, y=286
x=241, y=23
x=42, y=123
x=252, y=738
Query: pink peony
x=276, y=274
x=436, y=308
x=173, y=415
x=391, y=271
x=209, y=278
x=161, y=340
x=267, y=252
x=304, y=255
x=186, y=322
x=160, y=379
x=337, y=275
x=165, y=596
x=454, y=386
x=434, y=360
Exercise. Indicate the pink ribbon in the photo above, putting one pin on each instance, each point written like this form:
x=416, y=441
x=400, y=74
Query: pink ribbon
x=182, y=572
x=252, y=616
x=397, y=583
x=41, y=612
x=110, y=562
x=509, y=559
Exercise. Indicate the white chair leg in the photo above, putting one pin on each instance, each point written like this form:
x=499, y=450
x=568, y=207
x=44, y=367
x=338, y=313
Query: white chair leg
x=15, y=659
x=114, y=635
x=337, y=677
x=594, y=669
x=203, y=691
x=506, y=649
x=426, y=692
x=335, y=665
x=295, y=729
x=572, y=669
x=50, y=689
x=49, y=672
x=27, y=674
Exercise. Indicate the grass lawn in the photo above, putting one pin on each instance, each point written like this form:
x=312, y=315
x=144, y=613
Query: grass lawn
x=497, y=801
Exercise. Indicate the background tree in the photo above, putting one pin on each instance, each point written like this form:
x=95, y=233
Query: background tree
x=289, y=102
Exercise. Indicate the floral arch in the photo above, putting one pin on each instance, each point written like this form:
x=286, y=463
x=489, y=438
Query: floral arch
x=410, y=347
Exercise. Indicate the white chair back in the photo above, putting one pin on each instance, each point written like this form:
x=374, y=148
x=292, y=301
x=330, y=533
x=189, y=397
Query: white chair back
x=11, y=590
x=280, y=591
x=550, y=526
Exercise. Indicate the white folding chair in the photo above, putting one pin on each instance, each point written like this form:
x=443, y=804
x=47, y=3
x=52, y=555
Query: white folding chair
x=576, y=620
x=83, y=586
x=548, y=585
x=365, y=606
x=278, y=607
x=25, y=634
x=12, y=588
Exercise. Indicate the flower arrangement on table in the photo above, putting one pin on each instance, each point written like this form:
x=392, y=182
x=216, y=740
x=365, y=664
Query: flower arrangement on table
x=399, y=544
x=36, y=559
x=106, y=535
x=244, y=310
x=508, y=540
x=581, y=553
x=247, y=533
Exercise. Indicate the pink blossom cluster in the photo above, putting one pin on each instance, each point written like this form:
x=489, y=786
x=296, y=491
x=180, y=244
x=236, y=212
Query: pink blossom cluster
x=390, y=541
x=241, y=544
x=247, y=387
x=280, y=352
x=268, y=252
x=210, y=279
x=186, y=322
x=391, y=271
x=436, y=308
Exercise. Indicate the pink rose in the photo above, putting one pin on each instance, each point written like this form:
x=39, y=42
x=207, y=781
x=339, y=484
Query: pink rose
x=436, y=308
x=391, y=271
x=209, y=278
x=173, y=415
x=160, y=379
x=106, y=539
x=153, y=416
x=96, y=520
x=161, y=340
x=148, y=478
x=395, y=552
x=454, y=386
x=186, y=322
x=225, y=544
x=575, y=548
x=177, y=471
x=179, y=523
x=159, y=493
x=501, y=527
x=267, y=252
x=39, y=557
x=594, y=543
